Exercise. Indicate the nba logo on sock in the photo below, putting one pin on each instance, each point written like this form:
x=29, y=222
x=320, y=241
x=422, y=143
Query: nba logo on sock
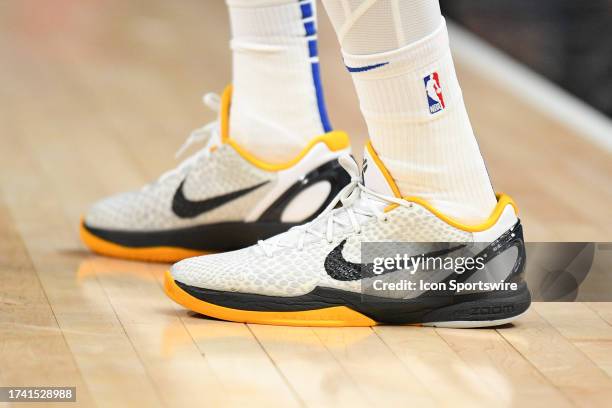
x=434, y=93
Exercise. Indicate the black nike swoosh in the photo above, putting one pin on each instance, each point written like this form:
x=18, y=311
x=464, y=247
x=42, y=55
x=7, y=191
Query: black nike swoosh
x=185, y=208
x=340, y=269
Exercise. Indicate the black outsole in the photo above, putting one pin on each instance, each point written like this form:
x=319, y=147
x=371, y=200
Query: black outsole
x=224, y=236
x=486, y=306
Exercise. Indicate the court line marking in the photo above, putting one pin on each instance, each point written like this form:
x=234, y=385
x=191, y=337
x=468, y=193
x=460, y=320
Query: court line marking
x=536, y=90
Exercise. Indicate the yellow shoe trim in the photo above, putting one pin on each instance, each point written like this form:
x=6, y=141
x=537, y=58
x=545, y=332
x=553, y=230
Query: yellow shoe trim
x=335, y=140
x=153, y=254
x=226, y=101
x=502, y=201
x=332, y=316
x=383, y=169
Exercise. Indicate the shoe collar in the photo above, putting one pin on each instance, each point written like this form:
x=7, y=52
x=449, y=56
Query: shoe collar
x=377, y=178
x=335, y=141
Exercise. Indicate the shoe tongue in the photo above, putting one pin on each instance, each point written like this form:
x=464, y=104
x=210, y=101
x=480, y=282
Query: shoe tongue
x=375, y=176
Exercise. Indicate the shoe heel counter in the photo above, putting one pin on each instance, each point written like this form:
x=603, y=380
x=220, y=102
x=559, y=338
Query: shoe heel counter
x=510, y=240
x=518, y=272
x=291, y=202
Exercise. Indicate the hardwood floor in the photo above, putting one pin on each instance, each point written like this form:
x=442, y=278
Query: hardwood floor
x=96, y=97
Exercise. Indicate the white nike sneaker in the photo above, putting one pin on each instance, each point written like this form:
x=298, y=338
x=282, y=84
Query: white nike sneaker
x=317, y=274
x=221, y=198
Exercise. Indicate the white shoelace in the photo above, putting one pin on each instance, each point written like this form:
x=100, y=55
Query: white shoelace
x=357, y=200
x=207, y=134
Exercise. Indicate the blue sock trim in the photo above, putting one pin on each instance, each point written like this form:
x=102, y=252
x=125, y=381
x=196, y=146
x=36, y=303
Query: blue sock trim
x=312, y=48
x=316, y=76
x=306, y=10
x=311, y=30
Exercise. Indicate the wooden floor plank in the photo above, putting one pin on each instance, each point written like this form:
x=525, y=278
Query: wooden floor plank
x=33, y=350
x=309, y=367
x=502, y=370
x=451, y=381
x=249, y=376
x=180, y=374
x=353, y=349
x=583, y=327
x=603, y=309
x=560, y=361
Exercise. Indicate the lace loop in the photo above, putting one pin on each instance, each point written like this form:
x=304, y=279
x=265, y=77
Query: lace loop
x=207, y=134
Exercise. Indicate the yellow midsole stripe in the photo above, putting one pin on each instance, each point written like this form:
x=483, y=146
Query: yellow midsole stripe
x=157, y=254
x=331, y=316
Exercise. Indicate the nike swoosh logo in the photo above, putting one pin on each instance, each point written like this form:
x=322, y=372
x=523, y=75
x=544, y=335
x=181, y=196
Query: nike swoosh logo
x=185, y=208
x=366, y=68
x=340, y=269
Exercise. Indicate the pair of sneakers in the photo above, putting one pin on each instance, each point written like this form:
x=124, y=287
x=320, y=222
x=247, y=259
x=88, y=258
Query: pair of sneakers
x=293, y=239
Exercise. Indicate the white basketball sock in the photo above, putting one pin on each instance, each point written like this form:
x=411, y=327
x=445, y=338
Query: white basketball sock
x=399, y=56
x=277, y=100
